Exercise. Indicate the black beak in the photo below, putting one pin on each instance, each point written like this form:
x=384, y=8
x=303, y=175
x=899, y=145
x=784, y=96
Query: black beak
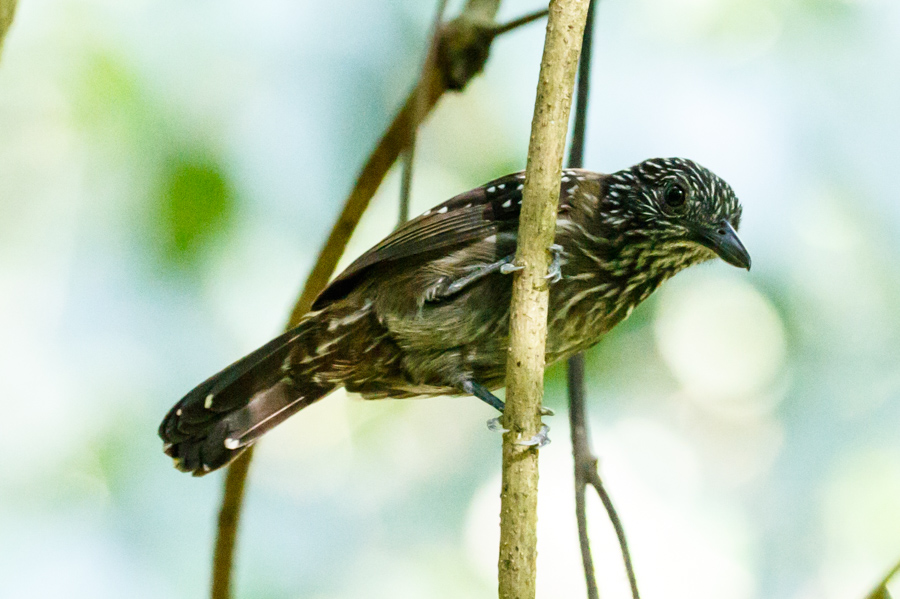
x=724, y=241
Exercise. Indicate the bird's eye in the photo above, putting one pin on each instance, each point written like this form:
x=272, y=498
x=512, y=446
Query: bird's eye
x=674, y=196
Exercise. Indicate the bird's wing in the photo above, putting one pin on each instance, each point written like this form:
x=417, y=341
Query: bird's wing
x=462, y=219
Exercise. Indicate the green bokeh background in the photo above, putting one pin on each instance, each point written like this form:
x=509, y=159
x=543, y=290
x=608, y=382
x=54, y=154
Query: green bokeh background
x=170, y=169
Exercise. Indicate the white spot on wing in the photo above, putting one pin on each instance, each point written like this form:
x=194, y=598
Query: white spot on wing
x=507, y=203
x=207, y=403
x=442, y=210
x=232, y=443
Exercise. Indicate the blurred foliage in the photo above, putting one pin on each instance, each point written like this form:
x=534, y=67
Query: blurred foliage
x=190, y=198
x=195, y=205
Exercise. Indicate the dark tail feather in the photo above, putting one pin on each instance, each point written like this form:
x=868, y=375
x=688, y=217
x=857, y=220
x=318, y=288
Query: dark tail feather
x=226, y=413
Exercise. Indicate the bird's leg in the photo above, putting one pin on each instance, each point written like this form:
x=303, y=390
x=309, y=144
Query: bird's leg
x=482, y=393
x=494, y=424
x=445, y=287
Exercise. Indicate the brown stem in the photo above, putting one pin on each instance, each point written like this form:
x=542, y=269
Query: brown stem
x=881, y=592
x=516, y=23
x=586, y=472
x=578, y=426
x=528, y=310
x=7, y=10
x=229, y=517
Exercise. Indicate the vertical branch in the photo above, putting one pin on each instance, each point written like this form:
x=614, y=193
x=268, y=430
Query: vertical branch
x=585, y=461
x=229, y=518
x=528, y=311
x=7, y=10
x=575, y=365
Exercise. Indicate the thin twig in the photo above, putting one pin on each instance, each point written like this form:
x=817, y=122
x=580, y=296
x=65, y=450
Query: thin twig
x=7, y=10
x=530, y=299
x=463, y=50
x=582, y=93
x=586, y=472
x=406, y=159
x=881, y=592
x=229, y=518
x=516, y=23
x=409, y=154
x=578, y=426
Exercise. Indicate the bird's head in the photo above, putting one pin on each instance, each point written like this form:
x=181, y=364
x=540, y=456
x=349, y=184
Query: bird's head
x=679, y=209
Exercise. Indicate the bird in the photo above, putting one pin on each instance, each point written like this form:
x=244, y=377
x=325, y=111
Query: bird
x=425, y=312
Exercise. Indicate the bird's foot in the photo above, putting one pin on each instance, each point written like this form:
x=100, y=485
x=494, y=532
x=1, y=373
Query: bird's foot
x=437, y=290
x=554, y=272
x=539, y=440
x=445, y=287
x=510, y=268
x=495, y=426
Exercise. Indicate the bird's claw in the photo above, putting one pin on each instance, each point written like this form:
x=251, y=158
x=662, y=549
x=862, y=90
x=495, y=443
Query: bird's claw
x=495, y=427
x=437, y=290
x=510, y=268
x=539, y=440
x=554, y=272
